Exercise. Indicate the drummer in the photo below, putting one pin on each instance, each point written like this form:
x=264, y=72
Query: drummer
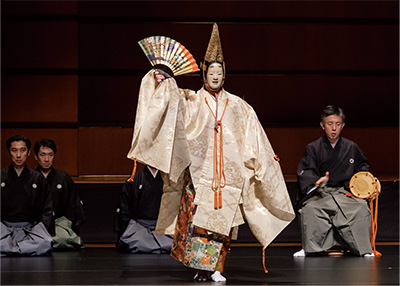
x=327, y=216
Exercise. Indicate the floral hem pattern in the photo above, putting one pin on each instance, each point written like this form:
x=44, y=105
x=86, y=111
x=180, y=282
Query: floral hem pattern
x=196, y=247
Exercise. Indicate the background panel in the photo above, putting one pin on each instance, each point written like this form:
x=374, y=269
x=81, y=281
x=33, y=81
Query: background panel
x=100, y=203
x=309, y=46
x=66, y=140
x=103, y=150
x=238, y=9
x=108, y=99
x=45, y=44
x=114, y=45
x=257, y=46
x=58, y=7
x=380, y=146
x=366, y=100
x=31, y=98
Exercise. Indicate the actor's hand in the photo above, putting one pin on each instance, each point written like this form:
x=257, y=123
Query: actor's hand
x=322, y=181
x=158, y=77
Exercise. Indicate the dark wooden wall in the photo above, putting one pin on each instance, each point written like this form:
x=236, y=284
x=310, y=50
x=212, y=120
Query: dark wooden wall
x=71, y=71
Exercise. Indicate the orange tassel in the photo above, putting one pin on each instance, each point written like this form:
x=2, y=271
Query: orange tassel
x=276, y=158
x=133, y=171
x=219, y=180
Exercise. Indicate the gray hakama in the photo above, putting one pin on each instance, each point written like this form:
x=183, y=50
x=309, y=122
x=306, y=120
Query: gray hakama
x=139, y=237
x=68, y=210
x=65, y=238
x=26, y=213
x=139, y=209
x=329, y=217
x=21, y=238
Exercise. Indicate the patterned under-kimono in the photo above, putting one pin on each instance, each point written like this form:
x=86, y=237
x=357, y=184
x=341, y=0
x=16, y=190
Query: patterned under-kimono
x=194, y=246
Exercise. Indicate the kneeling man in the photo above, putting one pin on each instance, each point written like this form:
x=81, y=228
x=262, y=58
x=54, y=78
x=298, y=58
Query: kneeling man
x=139, y=208
x=26, y=205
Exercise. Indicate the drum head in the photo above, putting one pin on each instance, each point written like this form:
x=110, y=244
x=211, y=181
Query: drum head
x=364, y=184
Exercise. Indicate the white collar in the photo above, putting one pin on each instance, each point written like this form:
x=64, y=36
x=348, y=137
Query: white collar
x=153, y=173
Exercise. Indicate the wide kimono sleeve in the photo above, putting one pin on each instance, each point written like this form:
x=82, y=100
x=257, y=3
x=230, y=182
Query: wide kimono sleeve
x=307, y=170
x=361, y=160
x=159, y=137
x=126, y=201
x=159, y=140
x=266, y=202
x=73, y=204
x=45, y=201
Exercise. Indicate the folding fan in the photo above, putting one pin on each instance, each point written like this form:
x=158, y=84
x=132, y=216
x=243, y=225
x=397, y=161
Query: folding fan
x=161, y=50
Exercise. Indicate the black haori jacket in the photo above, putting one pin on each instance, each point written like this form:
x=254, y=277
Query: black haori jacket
x=26, y=198
x=342, y=162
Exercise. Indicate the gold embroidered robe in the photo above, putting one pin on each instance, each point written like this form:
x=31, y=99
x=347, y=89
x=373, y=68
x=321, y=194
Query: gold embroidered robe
x=174, y=129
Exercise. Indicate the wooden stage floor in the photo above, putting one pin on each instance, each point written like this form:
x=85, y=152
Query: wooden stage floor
x=105, y=266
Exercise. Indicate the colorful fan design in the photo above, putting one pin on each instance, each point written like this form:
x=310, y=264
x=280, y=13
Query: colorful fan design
x=161, y=50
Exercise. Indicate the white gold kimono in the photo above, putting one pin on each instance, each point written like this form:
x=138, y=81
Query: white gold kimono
x=174, y=129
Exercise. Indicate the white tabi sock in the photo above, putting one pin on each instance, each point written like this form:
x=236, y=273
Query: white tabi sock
x=300, y=253
x=217, y=277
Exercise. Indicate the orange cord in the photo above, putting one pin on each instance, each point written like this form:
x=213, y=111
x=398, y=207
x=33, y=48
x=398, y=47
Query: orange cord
x=133, y=171
x=219, y=179
x=265, y=269
x=374, y=220
x=374, y=217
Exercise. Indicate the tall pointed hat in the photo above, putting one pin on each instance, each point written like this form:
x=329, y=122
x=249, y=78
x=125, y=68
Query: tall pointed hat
x=214, y=49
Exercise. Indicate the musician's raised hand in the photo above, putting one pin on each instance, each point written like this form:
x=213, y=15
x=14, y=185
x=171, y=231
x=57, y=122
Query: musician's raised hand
x=322, y=181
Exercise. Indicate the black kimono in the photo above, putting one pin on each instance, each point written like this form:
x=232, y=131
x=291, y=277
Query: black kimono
x=68, y=210
x=326, y=214
x=138, y=211
x=66, y=201
x=26, y=213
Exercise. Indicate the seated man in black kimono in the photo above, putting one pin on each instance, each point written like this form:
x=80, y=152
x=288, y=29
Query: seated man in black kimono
x=327, y=216
x=138, y=212
x=26, y=205
x=67, y=206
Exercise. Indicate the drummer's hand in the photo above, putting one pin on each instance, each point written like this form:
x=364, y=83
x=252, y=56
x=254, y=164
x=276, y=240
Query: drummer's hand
x=322, y=181
x=158, y=77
